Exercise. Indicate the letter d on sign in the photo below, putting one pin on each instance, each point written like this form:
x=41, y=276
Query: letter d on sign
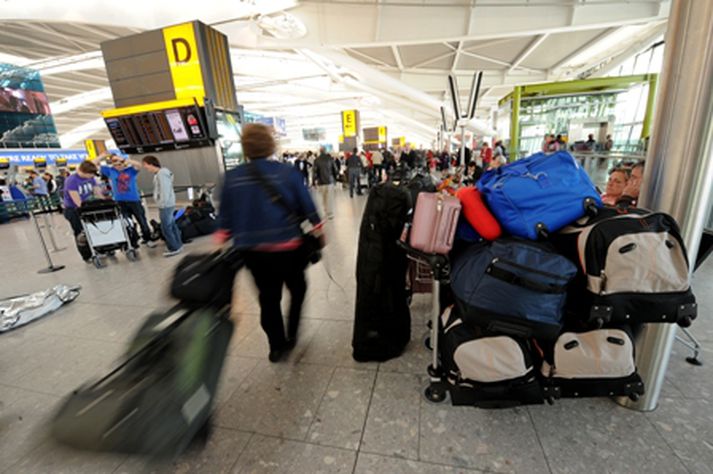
x=176, y=50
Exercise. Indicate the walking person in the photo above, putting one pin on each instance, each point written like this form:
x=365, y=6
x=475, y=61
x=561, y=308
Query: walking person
x=325, y=175
x=377, y=158
x=354, y=167
x=166, y=201
x=262, y=207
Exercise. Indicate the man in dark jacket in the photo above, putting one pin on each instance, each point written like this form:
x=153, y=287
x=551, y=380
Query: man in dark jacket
x=325, y=175
x=354, y=167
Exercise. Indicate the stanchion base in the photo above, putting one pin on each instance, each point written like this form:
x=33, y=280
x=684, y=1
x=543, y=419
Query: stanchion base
x=51, y=269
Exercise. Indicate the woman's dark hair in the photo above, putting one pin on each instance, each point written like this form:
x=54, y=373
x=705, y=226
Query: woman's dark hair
x=87, y=167
x=151, y=160
x=257, y=141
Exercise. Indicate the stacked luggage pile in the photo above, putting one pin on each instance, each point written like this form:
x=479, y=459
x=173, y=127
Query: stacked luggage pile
x=546, y=304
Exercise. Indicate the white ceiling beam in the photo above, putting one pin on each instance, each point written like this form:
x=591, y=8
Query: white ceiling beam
x=605, y=67
x=534, y=44
x=97, y=31
x=431, y=60
x=367, y=57
x=37, y=42
x=397, y=57
x=71, y=103
x=488, y=43
x=456, y=56
x=76, y=135
x=47, y=29
x=600, y=37
x=497, y=61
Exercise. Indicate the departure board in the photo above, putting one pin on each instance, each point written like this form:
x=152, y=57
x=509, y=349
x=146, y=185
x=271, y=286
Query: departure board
x=169, y=129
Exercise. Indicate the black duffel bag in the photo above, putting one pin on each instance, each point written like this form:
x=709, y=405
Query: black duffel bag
x=201, y=279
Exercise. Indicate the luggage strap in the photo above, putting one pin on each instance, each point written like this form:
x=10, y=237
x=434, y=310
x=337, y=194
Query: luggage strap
x=514, y=279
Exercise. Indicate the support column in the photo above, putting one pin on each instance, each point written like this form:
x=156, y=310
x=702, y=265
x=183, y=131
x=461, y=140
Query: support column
x=679, y=168
x=650, y=101
x=515, y=124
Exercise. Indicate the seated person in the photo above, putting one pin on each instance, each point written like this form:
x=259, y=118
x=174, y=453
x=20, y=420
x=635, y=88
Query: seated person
x=630, y=195
x=615, y=186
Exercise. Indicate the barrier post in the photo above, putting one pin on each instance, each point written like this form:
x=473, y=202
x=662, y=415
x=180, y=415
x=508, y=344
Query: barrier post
x=51, y=267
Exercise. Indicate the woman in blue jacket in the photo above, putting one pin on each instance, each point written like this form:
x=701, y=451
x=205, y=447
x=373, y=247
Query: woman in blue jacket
x=268, y=232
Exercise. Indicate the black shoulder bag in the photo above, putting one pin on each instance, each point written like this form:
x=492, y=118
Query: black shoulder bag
x=310, y=243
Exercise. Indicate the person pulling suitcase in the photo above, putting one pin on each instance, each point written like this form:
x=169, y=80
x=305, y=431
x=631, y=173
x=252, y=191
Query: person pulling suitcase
x=262, y=206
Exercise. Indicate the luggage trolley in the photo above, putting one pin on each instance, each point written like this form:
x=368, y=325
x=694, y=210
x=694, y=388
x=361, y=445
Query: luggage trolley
x=107, y=231
x=440, y=268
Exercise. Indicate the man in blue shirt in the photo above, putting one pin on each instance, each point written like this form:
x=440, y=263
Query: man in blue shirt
x=122, y=174
x=39, y=185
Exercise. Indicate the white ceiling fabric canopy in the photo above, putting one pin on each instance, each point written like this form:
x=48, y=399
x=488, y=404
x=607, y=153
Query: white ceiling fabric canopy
x=307, y=60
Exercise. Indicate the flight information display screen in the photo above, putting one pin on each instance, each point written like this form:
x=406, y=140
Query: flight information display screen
x=168, y=129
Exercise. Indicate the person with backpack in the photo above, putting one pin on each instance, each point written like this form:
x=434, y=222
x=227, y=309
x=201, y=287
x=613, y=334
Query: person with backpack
x=165, y=199
x=261, y=208
x=354, y=167
x=325, y=175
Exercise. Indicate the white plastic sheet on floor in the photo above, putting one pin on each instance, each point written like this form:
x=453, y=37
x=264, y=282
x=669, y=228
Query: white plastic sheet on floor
x=20, y=310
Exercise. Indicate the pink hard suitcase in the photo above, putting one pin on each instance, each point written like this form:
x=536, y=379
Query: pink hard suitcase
x=434, y=223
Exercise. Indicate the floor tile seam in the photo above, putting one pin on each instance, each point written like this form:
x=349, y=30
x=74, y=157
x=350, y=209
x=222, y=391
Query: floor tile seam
x=418, y=435
x=304, y=441
x=242, y=451
x=366, y=419
x=434, y=463
x=38, y=392
x=321, y=401
x=670, y=446
x=539, y=440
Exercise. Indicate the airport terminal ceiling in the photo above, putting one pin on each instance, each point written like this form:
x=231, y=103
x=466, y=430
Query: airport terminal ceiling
x=305, y=61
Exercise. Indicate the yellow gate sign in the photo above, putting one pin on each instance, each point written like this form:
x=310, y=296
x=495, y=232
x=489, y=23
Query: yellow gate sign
x=350, y=124
x=184, y=62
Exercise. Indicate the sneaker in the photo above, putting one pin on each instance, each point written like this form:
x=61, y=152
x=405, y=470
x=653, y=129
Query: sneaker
x=171, y=253
x=150, y=243
x=275, y=355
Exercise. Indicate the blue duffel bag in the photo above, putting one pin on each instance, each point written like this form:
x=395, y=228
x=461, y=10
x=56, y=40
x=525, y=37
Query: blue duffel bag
x=539, y=194
x=513, y=287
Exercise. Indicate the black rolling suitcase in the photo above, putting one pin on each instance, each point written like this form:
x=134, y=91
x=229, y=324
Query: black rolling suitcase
x=486, y=370
x=160, y=398
x=382, y=320
x=598, y=363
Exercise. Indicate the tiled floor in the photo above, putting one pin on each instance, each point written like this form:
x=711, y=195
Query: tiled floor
x=320, y=412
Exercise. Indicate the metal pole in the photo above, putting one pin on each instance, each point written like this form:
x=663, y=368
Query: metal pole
x=50, y=230
x=515, y=124
x=462, y=146
x=650, y=102
x=679, y=167
x=50, y=266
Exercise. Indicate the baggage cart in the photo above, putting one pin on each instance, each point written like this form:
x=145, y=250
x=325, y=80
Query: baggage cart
x=107, y=231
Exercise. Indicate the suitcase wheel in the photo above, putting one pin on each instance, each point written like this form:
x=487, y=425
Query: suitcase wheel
x=132, y=255
x=685, y=321
x=97, y=262
x=590, y=207
x=634, y=397
x=435, y=394
x=427, y=341
x=541, y=229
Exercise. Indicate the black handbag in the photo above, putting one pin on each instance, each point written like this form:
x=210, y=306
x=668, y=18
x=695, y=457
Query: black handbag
x=311, y=244
x=201, y=279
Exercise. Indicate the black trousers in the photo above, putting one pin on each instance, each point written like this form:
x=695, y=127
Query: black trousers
x=72, y=215
x=136, y=210
x=270, y=271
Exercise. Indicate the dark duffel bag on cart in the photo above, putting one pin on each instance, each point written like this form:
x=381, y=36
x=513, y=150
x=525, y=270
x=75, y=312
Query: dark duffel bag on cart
x=160, y=398
x=512, y=287
x=486, y=371
x=598, y=363
x=634, y=267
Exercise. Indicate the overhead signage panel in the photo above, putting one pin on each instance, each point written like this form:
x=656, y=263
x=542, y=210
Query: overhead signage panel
x=184, y=61
x=350, y=123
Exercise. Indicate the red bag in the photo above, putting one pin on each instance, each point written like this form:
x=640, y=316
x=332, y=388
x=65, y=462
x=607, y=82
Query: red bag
x=477, y=213
x=434, y=223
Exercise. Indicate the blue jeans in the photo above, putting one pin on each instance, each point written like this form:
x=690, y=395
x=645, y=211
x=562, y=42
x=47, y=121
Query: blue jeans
x=354, y=181
x=171, y=234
